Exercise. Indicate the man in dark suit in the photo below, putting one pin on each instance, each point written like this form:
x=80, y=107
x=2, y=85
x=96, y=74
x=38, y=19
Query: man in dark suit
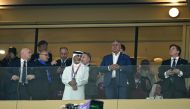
x=42, y=45
x=116, y=68
x=173, y=72
x=10, y=57
x=19, y=77
x=64, y=61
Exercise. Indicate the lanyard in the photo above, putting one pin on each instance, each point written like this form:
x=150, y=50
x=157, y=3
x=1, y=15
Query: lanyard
x=74, y=73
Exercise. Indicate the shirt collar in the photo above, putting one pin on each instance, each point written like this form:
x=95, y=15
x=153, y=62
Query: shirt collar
x=64, y=60
x=22, y=60
x=116, y=54
x=176, y=58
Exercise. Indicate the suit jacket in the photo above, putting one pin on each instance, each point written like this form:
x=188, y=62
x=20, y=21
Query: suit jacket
x=122, y=74
x=177, y=83
x=40, y=86
x=15, y=70
x=6, y=62
x=57, y=85
x=68, y=62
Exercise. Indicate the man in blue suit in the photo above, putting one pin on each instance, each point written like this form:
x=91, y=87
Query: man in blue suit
x=116, y=69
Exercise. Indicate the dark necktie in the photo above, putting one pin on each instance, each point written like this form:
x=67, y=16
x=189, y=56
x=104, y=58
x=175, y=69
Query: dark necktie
x=62, y=64
x=24, y=72
x=174, y=63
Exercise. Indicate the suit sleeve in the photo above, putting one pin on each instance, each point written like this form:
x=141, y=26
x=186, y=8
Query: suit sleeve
x=185, y=69
x=13, y=70
x=127, y=67
x=162, y=69
x=103, y=66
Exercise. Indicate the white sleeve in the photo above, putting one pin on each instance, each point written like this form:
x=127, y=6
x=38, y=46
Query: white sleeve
x=65, y=77
x=109, y=68
x=84, y=79
x=180, y=74
x=166, y=76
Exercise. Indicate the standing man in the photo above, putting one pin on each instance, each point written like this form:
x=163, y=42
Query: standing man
x=116, y=68
x=10, y=57
x=42, y=45
x=90, y=88
x=173, y=72
x=41, y=85
x=64, y=61
x=86, y=58
x=75, y=77
x=20, y=76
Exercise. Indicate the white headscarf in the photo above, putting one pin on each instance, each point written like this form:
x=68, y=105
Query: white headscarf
x=76, y=53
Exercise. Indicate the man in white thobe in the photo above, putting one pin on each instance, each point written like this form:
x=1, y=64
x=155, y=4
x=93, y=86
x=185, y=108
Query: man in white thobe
x=75, y=77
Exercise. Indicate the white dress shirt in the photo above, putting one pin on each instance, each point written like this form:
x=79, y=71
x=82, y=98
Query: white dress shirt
x=172, y=61
x=115, y=59
x=21, y=69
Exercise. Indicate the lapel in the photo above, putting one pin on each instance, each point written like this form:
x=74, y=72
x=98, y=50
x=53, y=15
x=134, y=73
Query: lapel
x=169, y=62
x=19, y=63
x=178, y=62
x=111, y=58
x=119, y=58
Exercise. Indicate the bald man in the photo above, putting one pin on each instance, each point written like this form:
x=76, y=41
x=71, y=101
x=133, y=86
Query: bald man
x=19, y=76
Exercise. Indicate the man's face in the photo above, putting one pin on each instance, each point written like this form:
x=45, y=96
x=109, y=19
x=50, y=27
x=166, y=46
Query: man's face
x=77, y=59
x=11, y=55
x=63, y=53
x=44, y=56
x=116, y=47
x=28, y=54
x=42, y=47
x=85, y=59
x=173, y=51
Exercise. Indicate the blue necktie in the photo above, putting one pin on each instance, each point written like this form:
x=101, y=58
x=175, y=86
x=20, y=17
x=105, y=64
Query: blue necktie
x=48, y=76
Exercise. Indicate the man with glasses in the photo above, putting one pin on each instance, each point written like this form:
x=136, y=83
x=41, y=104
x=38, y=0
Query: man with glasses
x=40, y=88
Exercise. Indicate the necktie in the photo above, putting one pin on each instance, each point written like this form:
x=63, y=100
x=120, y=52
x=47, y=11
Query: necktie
x=63, y=64
x=174, y=63
x=24, y=72
x=48, y=76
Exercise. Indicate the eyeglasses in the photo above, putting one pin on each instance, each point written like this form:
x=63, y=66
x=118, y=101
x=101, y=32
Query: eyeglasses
x=44, y=54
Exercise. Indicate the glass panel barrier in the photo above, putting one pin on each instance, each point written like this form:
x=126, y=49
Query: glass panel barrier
x=93, y=82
